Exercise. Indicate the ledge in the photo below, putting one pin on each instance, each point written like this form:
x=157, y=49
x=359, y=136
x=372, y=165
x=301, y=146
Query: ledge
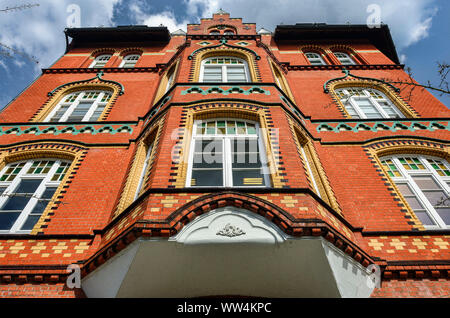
x=340, y=67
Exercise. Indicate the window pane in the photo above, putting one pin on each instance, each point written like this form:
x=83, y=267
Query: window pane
x=44, y=200
x=20, y=197
x=80, y=111
x=389, y=109
x=212, y=74
x=207, y=178
x=11, y=173
x=444, y=213
x=367, y=108
x=7, y=219
x=248, y=177
x=59, y=113
x=236, y=74
x=424, y=217
x=426, y=182
x=414, y=203
x=30, y=222
x=28, y=186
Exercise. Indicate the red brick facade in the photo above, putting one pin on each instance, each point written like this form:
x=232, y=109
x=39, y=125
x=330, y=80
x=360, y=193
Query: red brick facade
x=358, y=208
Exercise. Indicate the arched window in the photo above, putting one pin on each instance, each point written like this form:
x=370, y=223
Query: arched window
x=227, y=153
x=130, y=60
x=100, y=61
x=170, y=78
x=26, y=188
x=214, y=32
x=149, y=145
x=80, y=106
x=228, y=32
x=424, y=182
x=344, y=58
x=363, y=102
x=224, y=69
x=314, y=58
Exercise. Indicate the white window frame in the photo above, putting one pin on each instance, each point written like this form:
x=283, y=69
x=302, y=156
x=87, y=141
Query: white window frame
x=170, y=79
x=126, y=59
x=308, y=167
x=144, y=170
x=97, y=102
x=22, y=175
x=98, y=60
x=224, y=68
x=352, y=100
x=406, y=178
x=317, y=58
x=345, y=60
x=227, y=168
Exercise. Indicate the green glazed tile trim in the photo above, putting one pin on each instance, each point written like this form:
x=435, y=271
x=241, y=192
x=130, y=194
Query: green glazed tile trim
x=382, y=126
x=58, y=128
x=218, y=90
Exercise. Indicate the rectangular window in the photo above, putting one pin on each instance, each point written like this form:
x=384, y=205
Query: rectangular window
x=226, y=153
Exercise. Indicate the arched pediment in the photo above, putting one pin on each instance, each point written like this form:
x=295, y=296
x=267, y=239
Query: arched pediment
x=230, y=225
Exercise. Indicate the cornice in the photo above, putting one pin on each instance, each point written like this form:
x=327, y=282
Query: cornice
x=341, y=67
x=105, y=70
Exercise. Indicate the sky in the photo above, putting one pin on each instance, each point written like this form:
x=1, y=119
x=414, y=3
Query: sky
x=32, y=37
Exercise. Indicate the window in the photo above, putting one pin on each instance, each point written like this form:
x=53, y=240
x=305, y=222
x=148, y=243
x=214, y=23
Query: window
x=80, y=106
x=228, y=32
x=26, y=188
x=227, y=153
x=214, y=32
x=367, y=103
x=100, y=61
x=424, y=182
x=130, y=60
x=344, y=58
x=144, y=172
x=224, y=69
x=170, y=78
x=314, y=58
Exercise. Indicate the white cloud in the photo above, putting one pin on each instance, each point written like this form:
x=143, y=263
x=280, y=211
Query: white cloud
x=37, y=32
x=165, y=18
x=3, y=65
x=403, y=58
x=408, y=20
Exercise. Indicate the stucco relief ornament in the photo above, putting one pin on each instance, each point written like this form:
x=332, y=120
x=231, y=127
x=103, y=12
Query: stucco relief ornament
x=230, y=231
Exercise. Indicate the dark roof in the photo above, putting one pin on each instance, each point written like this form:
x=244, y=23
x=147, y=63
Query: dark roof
x=380, y=37
x=120, y=34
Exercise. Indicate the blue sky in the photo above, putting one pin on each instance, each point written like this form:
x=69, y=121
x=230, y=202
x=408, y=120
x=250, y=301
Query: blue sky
x=32, y=38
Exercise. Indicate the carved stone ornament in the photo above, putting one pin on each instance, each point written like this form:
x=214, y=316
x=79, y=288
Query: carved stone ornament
x=230, y=231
